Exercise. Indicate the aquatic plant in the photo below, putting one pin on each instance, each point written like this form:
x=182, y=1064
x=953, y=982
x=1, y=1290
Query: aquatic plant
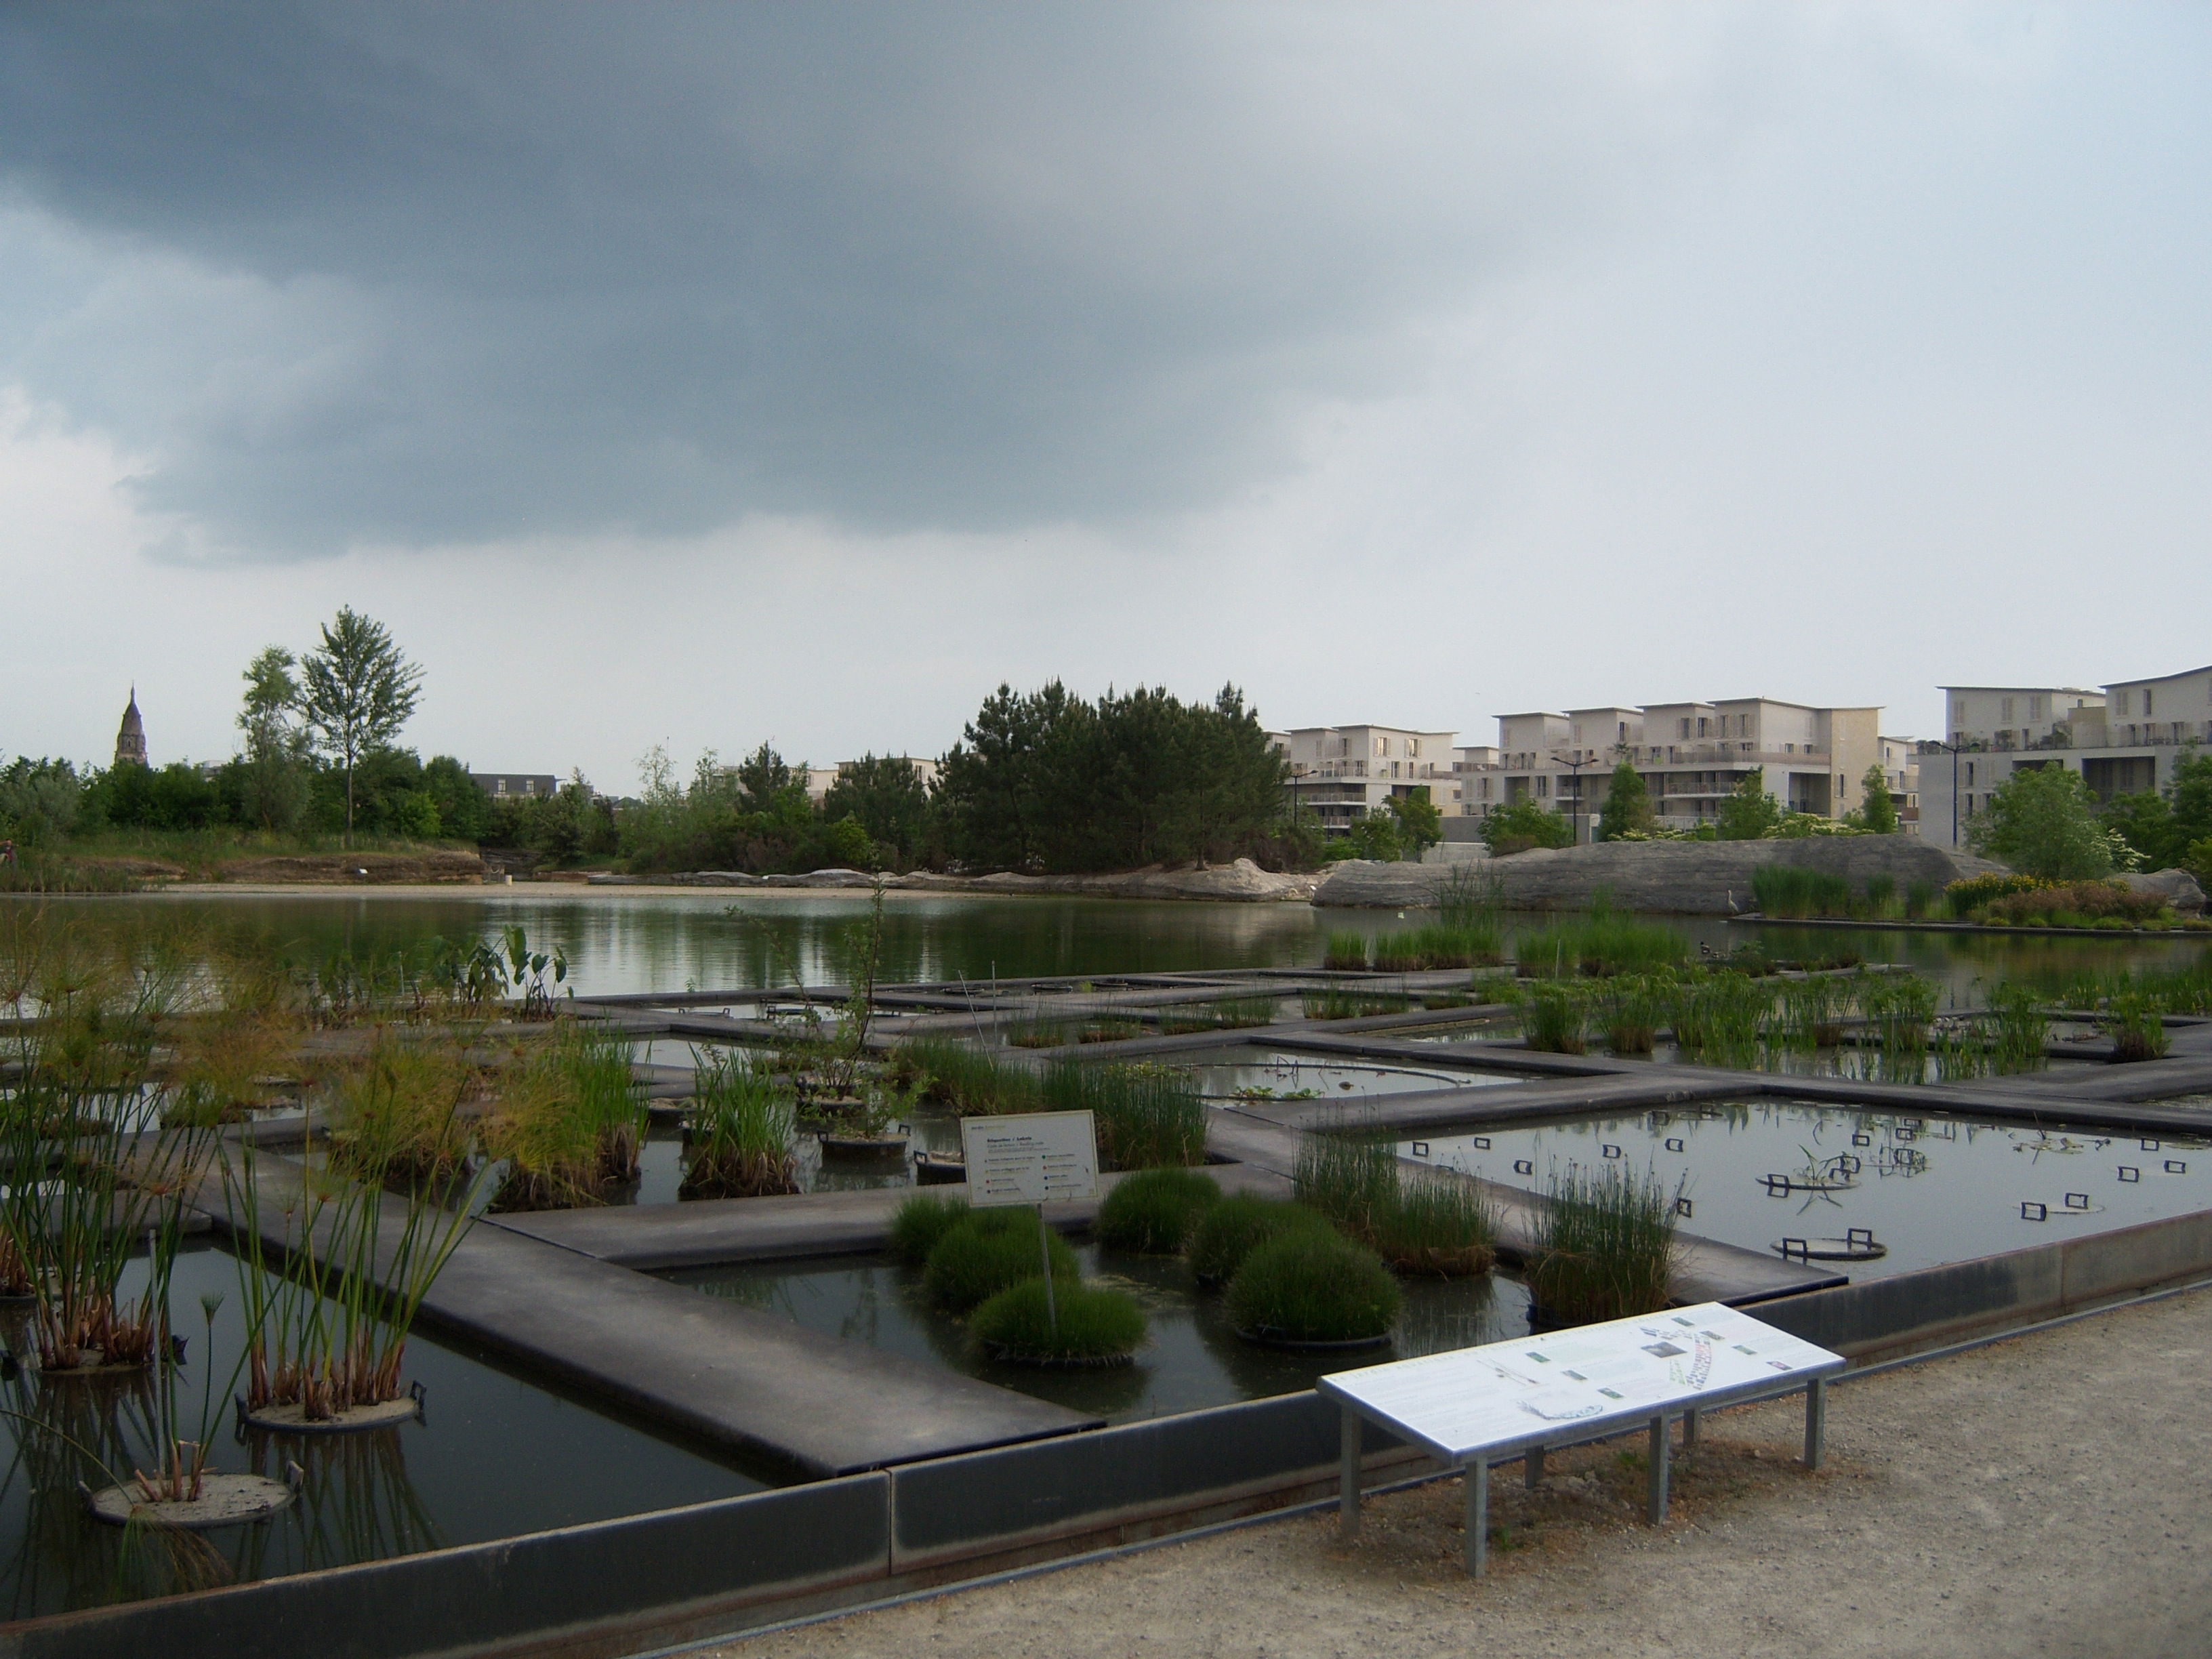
x=2135, y=1024
x=1437, y=1224
x=400, y=1110
x=1633, y=1007
x=1312, y=1286
x=1812, y=1013
x=1345, y=952
x=1599, y=944
x=1791, y=891
x=1231, y=1228
x=973, y=1081
x=328, y=1319
x=920, y=1221
x=740, y=1132
x=1154, y=1212
x=1082, y=1324
x=1604, y=1246
x=2020, y=1029
x=1222, y=1014
x=1554, y=1016
x=1898, y=1009
x=1420, y=1221
x=1146, y=1116
x=568, y=1122
x=1720, y=1017
x=987, y=1250
x=1337, y=1003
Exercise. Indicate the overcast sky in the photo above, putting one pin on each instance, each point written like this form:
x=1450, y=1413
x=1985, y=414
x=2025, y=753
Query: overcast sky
x=701, y=374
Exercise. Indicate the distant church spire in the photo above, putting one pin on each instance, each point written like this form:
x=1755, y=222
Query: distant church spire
x=131, y=739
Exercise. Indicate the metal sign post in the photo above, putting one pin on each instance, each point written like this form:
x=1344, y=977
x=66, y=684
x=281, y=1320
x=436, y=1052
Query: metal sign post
x=1031, y=1157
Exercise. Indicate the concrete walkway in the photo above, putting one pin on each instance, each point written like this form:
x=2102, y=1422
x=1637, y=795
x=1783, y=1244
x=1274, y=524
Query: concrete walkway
x=2045, y=1496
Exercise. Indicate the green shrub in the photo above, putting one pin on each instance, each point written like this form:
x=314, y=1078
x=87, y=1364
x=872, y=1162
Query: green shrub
x=1155, y=1212
x=1350, y=1177
x=1084, y=1323
x=1312, y=1286
x=987, y=1250
x=1963, y=898
x=1600, y=945
x=1147, y=1117
x=920, y=1221
x=1604, y=1246
x=2134, y=1022
x=1232, y=1228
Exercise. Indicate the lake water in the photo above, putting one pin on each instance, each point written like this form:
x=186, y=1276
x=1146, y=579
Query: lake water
x=620, y=941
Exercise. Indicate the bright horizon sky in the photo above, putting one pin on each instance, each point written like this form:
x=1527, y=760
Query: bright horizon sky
x=704, y=375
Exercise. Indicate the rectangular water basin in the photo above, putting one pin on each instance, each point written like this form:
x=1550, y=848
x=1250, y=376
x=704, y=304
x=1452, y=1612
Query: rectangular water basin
x=494, y=1456
x=1930, y=1189
x=1191, y=1359
x=1259, y=1073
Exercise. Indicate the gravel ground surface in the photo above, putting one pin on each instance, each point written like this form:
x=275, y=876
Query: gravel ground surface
x=2051, y=1495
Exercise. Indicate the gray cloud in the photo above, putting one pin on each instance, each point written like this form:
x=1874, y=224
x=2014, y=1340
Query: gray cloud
x=355, y=273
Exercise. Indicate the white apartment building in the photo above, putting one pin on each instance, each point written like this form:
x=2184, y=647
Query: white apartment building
x=2122, y=740
x=1474, y=771
x=1691, y=755
x=1339, y=772
x=1900, y=770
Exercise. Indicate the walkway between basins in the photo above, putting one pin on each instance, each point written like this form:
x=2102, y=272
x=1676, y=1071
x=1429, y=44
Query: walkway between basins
x=2046, y=1495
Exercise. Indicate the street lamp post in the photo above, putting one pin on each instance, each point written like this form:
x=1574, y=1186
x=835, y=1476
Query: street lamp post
x=1574, y=767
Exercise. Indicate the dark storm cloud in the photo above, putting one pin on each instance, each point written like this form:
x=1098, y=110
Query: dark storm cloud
x=428, y=273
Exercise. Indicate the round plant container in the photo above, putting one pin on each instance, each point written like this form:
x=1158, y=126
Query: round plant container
x=225, y=1500
x=293, y=1418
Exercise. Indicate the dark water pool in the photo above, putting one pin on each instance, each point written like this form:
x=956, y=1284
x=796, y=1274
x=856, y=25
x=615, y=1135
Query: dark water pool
x=496, y=1456
x=1933, y=1189
x=1192, y=1358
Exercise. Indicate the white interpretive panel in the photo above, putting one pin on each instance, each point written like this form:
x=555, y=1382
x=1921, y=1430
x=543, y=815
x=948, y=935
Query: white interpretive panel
x=1031, y=1157
x=1508, y=1396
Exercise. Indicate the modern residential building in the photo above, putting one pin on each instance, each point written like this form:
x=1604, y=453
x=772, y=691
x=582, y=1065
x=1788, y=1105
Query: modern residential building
x=819, y=779
x=1691, y=755
x=1475, y=776
x=1900, y=771
x=1339, y=772
x=2122, y=740
x=510, y=786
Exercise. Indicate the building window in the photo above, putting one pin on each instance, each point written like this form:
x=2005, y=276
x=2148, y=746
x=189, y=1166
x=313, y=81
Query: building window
x=2035, y=708
x=2004, y=712
x=1969, y=777
x=2123, y=702
x=1701, y=727
x=1958, y=711
x=1412, y=745
x=1685, y=726
x=2148, y=709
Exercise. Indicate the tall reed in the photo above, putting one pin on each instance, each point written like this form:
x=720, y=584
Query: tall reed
x=1146, y=1116
x=973, y=1081
x=1604, y=1246
x=741, y=1130
x=1554, y=1016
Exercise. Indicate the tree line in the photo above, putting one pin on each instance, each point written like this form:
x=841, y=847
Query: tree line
x=1043, y=782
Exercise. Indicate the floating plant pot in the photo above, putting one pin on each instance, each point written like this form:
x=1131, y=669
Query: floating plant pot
x=1858, y=1244
x=291, y=1418
x=1269, y=1337
x=841, y=1147
x=225, y=1500
x=938, y=1170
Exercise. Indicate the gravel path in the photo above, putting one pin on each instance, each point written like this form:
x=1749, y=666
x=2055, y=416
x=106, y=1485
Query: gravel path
x=2048, y=1496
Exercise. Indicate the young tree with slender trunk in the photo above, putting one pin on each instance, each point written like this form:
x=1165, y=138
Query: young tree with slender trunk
x=355, y=693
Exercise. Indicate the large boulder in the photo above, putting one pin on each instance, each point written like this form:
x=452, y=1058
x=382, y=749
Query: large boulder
x=1683, y=878
x=2177, y=887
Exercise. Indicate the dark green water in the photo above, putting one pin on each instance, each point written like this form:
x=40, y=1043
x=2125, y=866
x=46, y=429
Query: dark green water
x=496, y=1456
x=1191, y=1359
x=619, y=941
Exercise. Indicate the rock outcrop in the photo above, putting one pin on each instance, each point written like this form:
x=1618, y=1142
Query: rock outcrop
x=1682, y=878
x=2177, y=887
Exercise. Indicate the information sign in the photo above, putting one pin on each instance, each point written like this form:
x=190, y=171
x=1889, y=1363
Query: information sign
x=1504, y=1396
x=1520, y=1399
x=1031, y=1157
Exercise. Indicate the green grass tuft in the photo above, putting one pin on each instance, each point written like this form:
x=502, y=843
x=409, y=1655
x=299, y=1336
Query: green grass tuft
x=1234, y=1227
x=1147, y=1117
x=1604, y=1246
x=1085, y=1324
x=985, y=1252
x=1311, y=1285
x=920, y=1221
x=1155, y=1212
